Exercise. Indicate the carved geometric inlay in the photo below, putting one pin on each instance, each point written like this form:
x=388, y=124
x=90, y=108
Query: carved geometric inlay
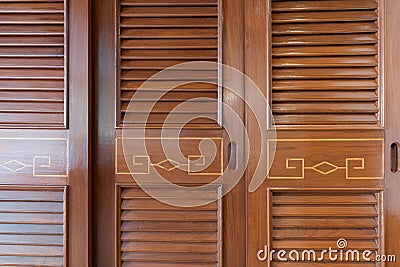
x=14, y=165
x=325, y=167
x=191, y=160
x=293, y=157
x=46, y=157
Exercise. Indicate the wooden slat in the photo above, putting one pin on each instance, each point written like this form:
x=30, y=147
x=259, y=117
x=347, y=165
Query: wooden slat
x=313, y=264
x=325, y=96
x=170, y=96
x=156, y=35
x=34, y=229
x=319, y=245
x=315, y=107
x=168, y=85
x=177, y=118
x=192, y=216
x=168, y=3
x=168, y=247
x=321, y=73
x=40, y=240
x=324, y=51
x=331, y=28
x=38, y=261
x=169, y=12
x=175, y=264
x=167, y=107
x=22, y=250
x=169, y=237
x=31, y=207
x=31, y=52
x=329, y=198
x=323, y=5
x=33, y=41
x=311, y=119
x=193, y=43
x=339, y=85
x=154, y=232
x=188, y=258
x=32, y=18
x=304, y=62
x=32, y=56
x=32, y=226
x=327, y=16
x=317, y=219
x=168, y=22
x=179, y=76
x=321, y=234
x=165, y=226
x=150, y=204
x=336, y=211
x=32, y=7
x=325, y=39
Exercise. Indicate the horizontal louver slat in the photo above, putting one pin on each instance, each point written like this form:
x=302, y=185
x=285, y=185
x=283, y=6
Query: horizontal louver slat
x=156, y=35
x=32, y=223
x=325, y=63
x=32, y=63
x=315, y=221
x=160, y=234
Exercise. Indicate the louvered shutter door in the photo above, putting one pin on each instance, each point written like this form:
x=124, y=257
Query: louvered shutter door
x=325, y=63
x=32, y=63
x=316, y=220
x=155, y=35
x=32, y=227
x=157, y=234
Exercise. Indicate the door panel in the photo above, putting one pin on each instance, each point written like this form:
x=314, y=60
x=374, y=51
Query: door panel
x=325, y=85
x=392, y=184
x=132, y=42
x=44, y=161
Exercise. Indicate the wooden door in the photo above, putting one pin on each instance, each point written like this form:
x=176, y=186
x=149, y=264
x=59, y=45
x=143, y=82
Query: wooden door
x=44, y=131
x=329, y=71
x=134, y=40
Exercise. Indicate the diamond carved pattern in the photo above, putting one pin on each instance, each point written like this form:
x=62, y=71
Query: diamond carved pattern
x=15, y=165
x=325, y=167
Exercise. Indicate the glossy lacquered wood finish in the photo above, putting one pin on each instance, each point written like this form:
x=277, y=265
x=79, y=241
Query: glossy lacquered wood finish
x=80, y=132
x=44, y=163
x=318, y=43
x=156, y=234
x=321, y=83
x=392, y=67
x=33, y=73
x=153, y=35
x=32, y=226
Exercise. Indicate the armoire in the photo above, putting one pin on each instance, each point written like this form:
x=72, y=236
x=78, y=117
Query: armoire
x=318, y=164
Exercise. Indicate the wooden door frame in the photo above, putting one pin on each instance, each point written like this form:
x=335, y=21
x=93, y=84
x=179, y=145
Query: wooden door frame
x=104, y=134
x=392, y=127
x=79, y=180
x=256, y=14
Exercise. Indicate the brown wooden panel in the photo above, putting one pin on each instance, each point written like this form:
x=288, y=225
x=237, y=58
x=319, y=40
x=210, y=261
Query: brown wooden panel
x=300, y=159
x=319, y=44
x=319, y=225
x=33, y=56
x=170, y=233
x=172, y=167
x=32, y=230
x=323, y=5
x=153, y=37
